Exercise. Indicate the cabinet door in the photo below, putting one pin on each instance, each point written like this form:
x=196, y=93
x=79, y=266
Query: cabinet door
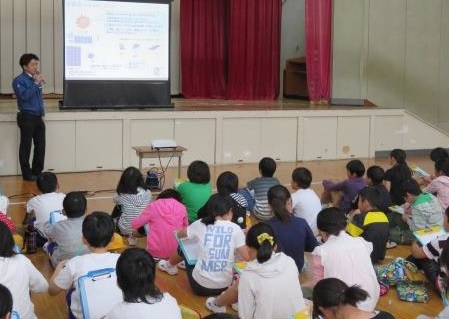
x=320, y=138
x=99, y=145
x=198, y=136
x=278, y=138
x=388, y=132
x=9, y=146
x=60, y=146
x=241, y=138
x=142, y=132
x=353, y=137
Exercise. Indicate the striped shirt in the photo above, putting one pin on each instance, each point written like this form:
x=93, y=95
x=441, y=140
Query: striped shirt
x=434, y=248
x=425, y=212
x=261, y=185
x=131, y=206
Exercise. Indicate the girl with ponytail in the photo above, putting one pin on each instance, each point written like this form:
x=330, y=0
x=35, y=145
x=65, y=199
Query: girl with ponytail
x=269, y=286
x=293, y=233
x=396, y=175
x=333, y=299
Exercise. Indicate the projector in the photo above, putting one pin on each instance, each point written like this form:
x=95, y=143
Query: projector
x=158, y=144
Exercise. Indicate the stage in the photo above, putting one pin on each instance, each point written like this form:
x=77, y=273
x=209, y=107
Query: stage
x=218, y=132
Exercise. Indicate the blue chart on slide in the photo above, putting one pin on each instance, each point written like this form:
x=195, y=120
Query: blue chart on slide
x=113, y=40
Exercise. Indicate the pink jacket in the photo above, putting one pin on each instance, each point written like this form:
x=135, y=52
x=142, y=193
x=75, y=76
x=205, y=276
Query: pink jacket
x=440, y=187
x=164, y=216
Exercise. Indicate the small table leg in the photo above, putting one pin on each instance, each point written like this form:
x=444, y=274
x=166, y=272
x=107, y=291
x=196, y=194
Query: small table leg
x=179, y=166
x=140, y=162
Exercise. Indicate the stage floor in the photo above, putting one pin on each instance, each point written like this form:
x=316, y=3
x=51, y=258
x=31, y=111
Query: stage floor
x=8, y=105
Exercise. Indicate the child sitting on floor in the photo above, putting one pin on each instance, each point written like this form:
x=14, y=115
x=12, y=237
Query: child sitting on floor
x=228, y=185
x=219, y=241
x=163, y=216
x=65, y=237
x=349, y=188
x=98, y=229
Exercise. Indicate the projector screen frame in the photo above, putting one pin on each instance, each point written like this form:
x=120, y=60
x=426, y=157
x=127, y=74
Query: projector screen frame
x=117, y=94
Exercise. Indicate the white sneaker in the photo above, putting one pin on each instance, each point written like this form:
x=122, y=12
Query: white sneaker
x=423, y=317
x=182, y=264
x=165, y=266
x=391, y=244
x=235, y=306
x=211, y=305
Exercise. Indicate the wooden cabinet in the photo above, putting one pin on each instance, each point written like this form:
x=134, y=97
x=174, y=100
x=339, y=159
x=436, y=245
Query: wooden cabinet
x=60, y=146
x=278, y=139
x=240, y=140
x=320, y=138
x=99, y=145
x=9, y=146
x=295, y=78
x=353, y=137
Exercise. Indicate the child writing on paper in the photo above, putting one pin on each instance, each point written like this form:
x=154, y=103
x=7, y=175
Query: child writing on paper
x=439, y=186
x=220, y=240
x=396, y=175
x=269, y=286
x=437, y=154
x=427, y=256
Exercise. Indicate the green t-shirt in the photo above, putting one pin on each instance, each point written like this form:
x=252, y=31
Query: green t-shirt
x=194, y=196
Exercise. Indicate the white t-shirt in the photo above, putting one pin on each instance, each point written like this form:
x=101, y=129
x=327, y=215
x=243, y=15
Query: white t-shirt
x=43, y=205
x=307, y=204
x=270, y=290
x=348, y=259
x=19, y=275
x=218, y=242
x=79, y=266
x=167, y=308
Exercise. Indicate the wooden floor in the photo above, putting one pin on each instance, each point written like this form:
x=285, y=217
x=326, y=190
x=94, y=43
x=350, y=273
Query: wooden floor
x=100, y=187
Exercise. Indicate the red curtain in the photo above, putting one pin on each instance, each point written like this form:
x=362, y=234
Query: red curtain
x=230, y=48
x=203, y=48
x=318, y=48
x=254, y=49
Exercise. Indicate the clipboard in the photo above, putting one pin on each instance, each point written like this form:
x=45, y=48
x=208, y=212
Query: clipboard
x=419, y=171
x=190, y=248
x=99, y=293
x=427, y=235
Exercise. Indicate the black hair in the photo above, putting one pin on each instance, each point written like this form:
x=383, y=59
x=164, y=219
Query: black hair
x=47, y=182
x=6, y=241
x=438, y=153
x=198, y=172
x=216, y=205
x=98, y=229
x=170, y=193
x=333, y=292
x=444, y=257
x=376, y=174
x=136, y=276
x=356, y=167
x=5, y=301
x=130, y=180
x=278, y=196
x=442, y=165
x=372, y=195
x=26, y=58
x=302, y=177
x=331, y=220
x=267, y=167
x=264, y=248
x=410, y=186
x=221, y=316
x=399, y=155
x=227, y=183
x=446, y=211
x=74, y=204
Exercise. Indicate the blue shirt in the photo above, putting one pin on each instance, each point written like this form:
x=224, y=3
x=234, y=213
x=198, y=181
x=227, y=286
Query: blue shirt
x=294, y=238
x=29, y=95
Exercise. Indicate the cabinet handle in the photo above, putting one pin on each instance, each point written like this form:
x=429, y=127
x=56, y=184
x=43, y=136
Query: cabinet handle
x=319, y=157
x=51, y=169
x=277, y=159
x=240, y=161
x=99, y=167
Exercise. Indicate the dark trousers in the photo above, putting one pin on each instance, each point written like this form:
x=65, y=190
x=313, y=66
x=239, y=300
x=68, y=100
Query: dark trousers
x=430, y=267
x=32, y=129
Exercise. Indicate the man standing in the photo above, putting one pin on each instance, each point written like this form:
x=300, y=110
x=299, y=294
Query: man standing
x=28, y=89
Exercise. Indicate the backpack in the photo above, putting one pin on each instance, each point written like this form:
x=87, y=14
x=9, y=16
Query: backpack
x=401, y=236
x=394, y=272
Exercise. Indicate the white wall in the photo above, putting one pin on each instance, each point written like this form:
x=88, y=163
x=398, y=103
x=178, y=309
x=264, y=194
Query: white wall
x=395, y=54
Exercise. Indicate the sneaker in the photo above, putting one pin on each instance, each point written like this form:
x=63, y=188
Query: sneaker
x=391, y=244
x=132, y=241
x=235, y=306
x=166, y=267
x=182, y=265
x=210, y=304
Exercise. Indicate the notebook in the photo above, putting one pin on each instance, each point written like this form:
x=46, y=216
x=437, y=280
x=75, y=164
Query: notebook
x=426, y=235
x=419, y=171
x=190, y=248
x=397, y=209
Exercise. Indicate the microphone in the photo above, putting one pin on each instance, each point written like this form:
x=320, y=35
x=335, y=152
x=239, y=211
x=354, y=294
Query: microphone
x=42, y=80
